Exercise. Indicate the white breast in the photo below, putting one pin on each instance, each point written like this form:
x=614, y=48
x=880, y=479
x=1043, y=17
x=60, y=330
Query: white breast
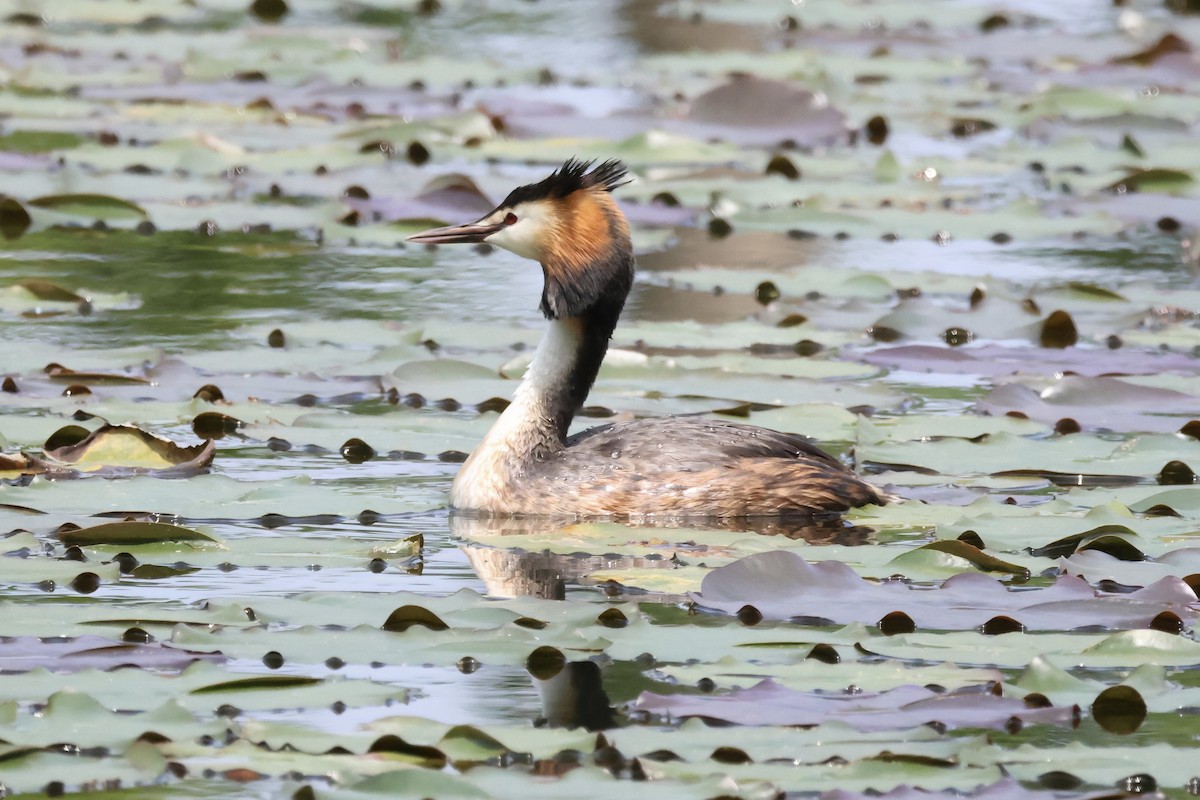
x=485, y=481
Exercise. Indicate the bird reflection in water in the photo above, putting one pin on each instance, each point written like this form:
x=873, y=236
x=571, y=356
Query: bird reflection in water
x=572, y=693
x=514, y=572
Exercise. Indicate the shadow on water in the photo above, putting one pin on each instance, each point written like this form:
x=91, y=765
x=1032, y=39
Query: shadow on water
x=515, y=572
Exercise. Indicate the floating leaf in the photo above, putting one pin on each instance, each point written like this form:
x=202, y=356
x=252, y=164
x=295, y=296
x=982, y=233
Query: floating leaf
x=969, y=553
x=258, y=683
x=113, y=448
x=994, y=360
x=1058, y=330
x=1098, y=292
x=131, y=534
x=467, y=743
x=768, y=703
x=1157, y=179
x=1099, y=402
x=753, y=109
x=97, y=206
x=57, y=372
x=28, y=141
x=1119, y=709
x=14, y=219
x=1168, y=44
x=46, y=290
x=406, y=617
x=783, y=585
x=214, y=425
x=269, y=10
x=449, y=198
x=22, y=654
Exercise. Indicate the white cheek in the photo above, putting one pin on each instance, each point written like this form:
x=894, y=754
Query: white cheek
x=526, y=236
x=518, y=238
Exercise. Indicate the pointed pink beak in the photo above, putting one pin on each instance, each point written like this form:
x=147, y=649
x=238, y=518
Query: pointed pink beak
x=468, y=233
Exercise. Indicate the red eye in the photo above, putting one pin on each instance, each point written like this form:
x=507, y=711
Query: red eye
x=510, y=219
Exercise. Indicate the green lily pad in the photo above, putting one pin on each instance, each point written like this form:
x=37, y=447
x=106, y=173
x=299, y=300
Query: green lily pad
x=131, y=534
x=119, y=447
x=272, y=682
x=962, y=551
x=1152, y=180
x=14, y=219
x=31, y=141
x=97, y=206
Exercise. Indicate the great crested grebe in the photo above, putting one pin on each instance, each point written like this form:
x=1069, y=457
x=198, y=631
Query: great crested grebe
x=675, y=466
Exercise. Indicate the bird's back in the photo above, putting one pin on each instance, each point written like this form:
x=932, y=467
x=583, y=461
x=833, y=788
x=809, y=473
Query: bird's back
x=688, y=466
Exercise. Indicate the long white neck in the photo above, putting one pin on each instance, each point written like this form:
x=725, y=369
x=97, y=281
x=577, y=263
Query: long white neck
x=534, y=425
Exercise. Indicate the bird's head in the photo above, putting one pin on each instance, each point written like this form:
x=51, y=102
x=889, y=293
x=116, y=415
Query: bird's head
x=568, y=223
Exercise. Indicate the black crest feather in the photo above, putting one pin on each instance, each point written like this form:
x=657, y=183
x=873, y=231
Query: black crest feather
x=570, y=177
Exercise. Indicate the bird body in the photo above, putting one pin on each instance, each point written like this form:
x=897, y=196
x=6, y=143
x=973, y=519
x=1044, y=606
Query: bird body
x=675, y=466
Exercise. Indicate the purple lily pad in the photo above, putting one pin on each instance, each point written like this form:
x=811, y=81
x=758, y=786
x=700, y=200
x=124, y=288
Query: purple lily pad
x=905, y=707
x=1006, y=789
x=756, y=111
x=782, y=585
x=1107, y=403
x=449, y=198
x=25, y=653
x=319, y=97
x=12, y=162
x=995, y=360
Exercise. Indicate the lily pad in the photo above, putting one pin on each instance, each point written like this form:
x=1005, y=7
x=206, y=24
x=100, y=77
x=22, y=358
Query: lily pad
x=14, y=218
x=768, y=703
x=131, y=534
x=96, y=206
x=93, y=652
x=113, y=449
x=783, y=585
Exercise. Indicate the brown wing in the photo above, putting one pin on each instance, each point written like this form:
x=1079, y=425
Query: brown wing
x=683, y=443
x=694, y=466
